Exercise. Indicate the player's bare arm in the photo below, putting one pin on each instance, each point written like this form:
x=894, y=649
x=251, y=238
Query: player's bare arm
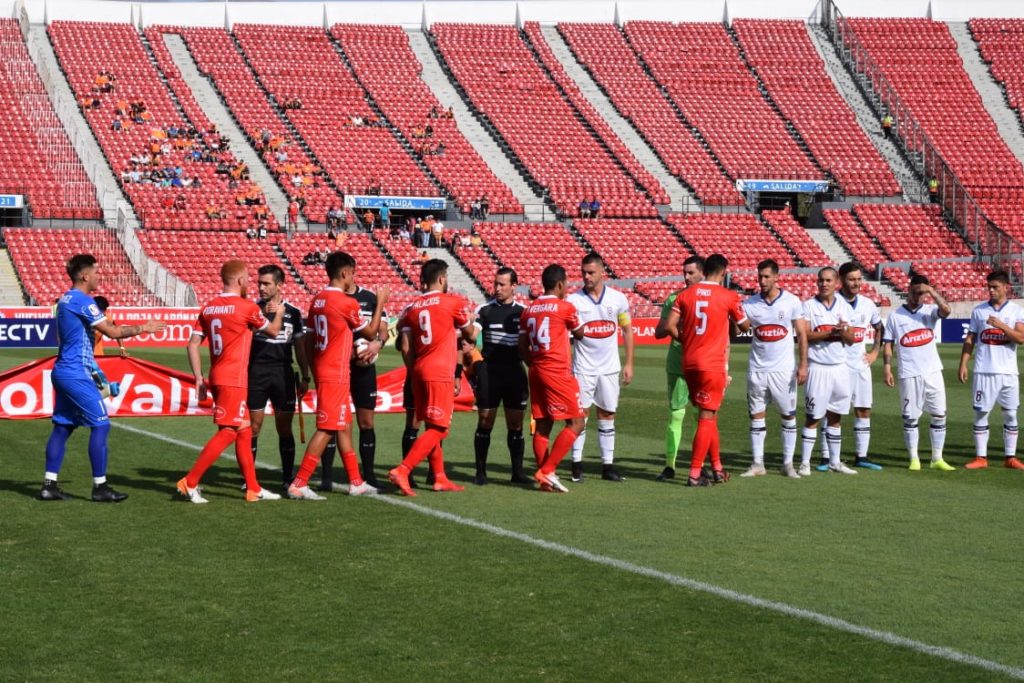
x=965, y=355
x=669, y=326
x=627, y=342
x=871, y=356
x=302, y=358
x=113, y=331
x=1015, y=333
x=887, y=349
x=276, y=322
x=524, y=348
x=195, y=363
x=944, y=309
x=458, y=370
x=803, y=329
x=405, y=346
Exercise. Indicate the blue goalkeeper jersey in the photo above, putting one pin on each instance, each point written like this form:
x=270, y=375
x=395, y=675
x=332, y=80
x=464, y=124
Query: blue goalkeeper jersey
x=77, y=314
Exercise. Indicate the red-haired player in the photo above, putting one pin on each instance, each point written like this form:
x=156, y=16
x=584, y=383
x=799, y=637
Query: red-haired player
x=228, y=321
x=429, y=328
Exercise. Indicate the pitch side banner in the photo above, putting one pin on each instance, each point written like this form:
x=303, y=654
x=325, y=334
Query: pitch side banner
x=38, y=333
x=149, y=390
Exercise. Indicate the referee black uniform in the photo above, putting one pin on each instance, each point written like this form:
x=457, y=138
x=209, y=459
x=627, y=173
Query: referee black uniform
x=271, y=377
x=500, y=380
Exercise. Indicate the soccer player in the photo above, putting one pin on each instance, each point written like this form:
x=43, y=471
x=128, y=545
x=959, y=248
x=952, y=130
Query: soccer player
x=859, y=360
x=78, y=381
x=335, y=317
x=228, y=321
x=777, y=319
x=500, y=377
x=429, y=327
x=595, y=362
x=270, y=370
x=996, y=329
x=97, y=336
x=544, y=332
x=704, y=312
x=827, y=394
x=363, y=373
x=678, y=395
x=910, y=331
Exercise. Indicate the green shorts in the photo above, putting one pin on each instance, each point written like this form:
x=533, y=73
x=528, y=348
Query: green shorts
x=678, y=393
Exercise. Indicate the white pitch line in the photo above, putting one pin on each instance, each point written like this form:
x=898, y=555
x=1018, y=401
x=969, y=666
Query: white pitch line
x=725, y=593
x=184, y=444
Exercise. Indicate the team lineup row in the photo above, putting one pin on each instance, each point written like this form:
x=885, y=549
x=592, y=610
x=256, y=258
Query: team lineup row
x=569, y=344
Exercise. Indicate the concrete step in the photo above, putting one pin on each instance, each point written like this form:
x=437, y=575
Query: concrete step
x=913, y=187
x=10, y=287
x=1006, y=120
x=459, y=281
x=437, y=80
x=682, y=198
x=835, y=250
x=209, y=101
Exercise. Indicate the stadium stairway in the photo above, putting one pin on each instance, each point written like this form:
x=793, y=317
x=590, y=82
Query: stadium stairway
x=682, y=199
x=459, y=281
x=211, y=104
x=66, y=107
x=913, y=187
x=838, y=254
x=436, y=79
x=991, y=93
x=10, y=288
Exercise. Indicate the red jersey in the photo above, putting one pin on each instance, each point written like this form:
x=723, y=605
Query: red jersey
x=228, y=321
x=705, y=310
x=333, y=317
x=546, y=323
x=431, y=321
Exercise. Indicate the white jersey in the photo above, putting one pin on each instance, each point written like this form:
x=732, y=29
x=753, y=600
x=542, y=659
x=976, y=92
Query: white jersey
x=865, y=317
x=913, y=337
x=597, y=353
x=994, y=353
x=773, y=330
x=821, y=318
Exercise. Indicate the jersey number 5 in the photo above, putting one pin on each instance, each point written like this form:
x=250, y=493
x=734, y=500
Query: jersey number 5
x=702, y=316
x=540, y=335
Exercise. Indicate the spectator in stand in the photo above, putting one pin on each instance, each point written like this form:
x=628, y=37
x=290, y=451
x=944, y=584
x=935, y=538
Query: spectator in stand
x=196, y=182
x=595, y=208
x=403, y=232
x=424, y=257
x=933, y=189
x=428, y=131
x=180, y=203
x=250, y=232
x=449, y=114
x=339, y=241
x=116, y=126
x=475, y=241
x=293, y=216
x=262, y=232
x=385, y=215
x=437, y=230
x=324, y=253
x=368, y=220
x=584, y=209
x=485, y=207
x=474, y=210
x=887, y=122
x=465, y=239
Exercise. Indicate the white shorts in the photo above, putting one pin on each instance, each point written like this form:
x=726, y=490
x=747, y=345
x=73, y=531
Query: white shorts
x=926, y=393
x=990, y=389
x=764, y=388
x=827, y=390
x=861, y=393
x=599, y=390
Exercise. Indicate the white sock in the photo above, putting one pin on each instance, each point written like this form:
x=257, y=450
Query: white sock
x=938, y=435
x=99, y=480
x=824, y=446
x=757, y=433
x=577, y=445
x=788, y=439
x=50, y=476
x=1010, y=433
x=911, y=437
x=810, y=434
x=861, y=435
x=606, y=440
x=980, y=434
x=834, y=438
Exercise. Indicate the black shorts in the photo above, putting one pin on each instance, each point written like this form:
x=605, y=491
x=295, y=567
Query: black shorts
x=501, y=384
x=274, y=382
x=364, y=386
x=407, y=399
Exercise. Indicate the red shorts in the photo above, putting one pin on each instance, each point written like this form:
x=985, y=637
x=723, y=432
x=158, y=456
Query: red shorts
x=434, y=401
x=229, y=409
x=554, y=397
x=707, y=387
x=333, y=406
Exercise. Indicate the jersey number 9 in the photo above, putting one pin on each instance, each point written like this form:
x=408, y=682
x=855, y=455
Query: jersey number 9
x=320, y=323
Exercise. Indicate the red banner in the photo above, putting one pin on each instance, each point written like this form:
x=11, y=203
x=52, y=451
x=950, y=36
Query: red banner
x=150, y=390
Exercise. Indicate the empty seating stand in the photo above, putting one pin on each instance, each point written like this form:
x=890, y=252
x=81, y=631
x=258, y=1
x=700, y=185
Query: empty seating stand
x=531, y=247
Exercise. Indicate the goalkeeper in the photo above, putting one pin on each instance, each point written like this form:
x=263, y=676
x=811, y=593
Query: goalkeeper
x=79, y=385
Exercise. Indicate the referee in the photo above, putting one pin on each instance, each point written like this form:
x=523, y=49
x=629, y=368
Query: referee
x=270, y=371
x=500, y=377
x=363, y=377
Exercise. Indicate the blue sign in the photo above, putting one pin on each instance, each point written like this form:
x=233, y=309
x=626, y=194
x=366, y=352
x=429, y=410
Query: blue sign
x=805, y=186
x=954, y=330
x=11, y=201
x=401, y=203
x=28, y=333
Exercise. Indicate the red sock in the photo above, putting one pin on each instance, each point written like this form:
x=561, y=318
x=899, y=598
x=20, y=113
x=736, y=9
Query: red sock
x=246, y=463
x=716, y=452
x=306, y=469
x=559, y=449
x=423, y=446
x=540, y=448
x=352, y=468
x=701, y=445
x=211, y=451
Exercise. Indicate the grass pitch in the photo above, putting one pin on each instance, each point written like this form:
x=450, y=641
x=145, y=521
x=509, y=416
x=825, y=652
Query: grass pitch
x=157, y=589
